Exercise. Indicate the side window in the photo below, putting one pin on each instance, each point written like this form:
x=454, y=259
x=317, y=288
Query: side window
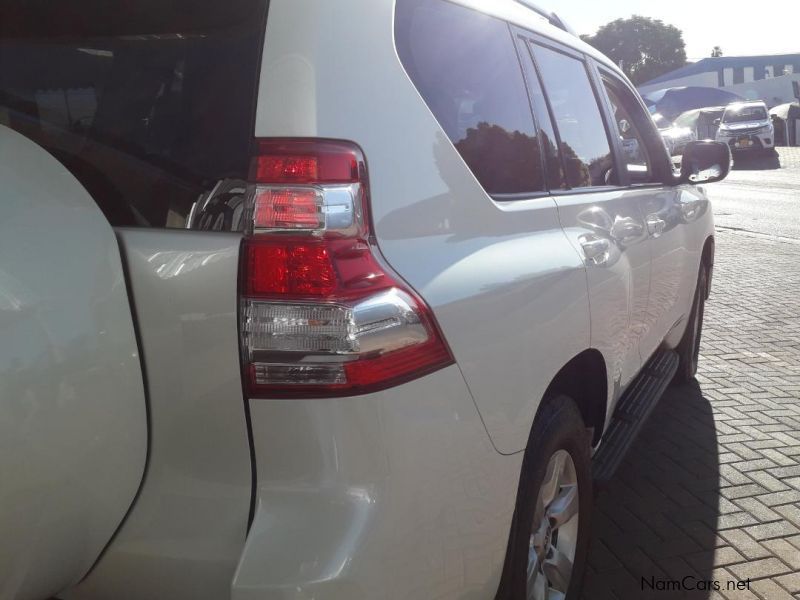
x=627, y=121
x=549, y=145
x=465, y=66
x=584, y=143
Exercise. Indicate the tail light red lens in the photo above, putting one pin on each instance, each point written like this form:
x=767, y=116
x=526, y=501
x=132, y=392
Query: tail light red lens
x=322, y=314
x=291, y=267
x=305, y=161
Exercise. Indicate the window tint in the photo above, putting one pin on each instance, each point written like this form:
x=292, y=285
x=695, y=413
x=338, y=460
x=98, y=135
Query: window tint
x=148, y=103
x=466, y=68
x=627, y=120
x=555, y=169
x=584, y=144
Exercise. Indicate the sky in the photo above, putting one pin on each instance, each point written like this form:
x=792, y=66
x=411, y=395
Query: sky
x=740, y=27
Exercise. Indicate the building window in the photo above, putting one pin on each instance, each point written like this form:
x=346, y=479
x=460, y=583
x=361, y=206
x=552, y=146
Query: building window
x=727, y=76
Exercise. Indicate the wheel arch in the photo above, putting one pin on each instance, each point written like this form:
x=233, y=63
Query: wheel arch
x=584, y=379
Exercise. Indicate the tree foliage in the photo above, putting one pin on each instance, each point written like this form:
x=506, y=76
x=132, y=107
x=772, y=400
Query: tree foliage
x=646, y=48
x=716, y=52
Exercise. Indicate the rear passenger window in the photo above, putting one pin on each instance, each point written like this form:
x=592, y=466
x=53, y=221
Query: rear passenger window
x=465, y=66
x=148, y=103
x=547, y=136
x=584, y=143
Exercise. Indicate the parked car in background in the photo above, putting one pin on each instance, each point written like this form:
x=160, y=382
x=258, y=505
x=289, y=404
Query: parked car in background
x=703, y=122
x=677, y=136
x=663, y=124
x=746, y=126
x=695, y=124
x=661, y=121
x=275, y=328
x=707, y=122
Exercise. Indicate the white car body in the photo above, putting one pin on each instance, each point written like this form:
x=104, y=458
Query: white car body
x=72, y=408
x=743, y=133
x=405, y=492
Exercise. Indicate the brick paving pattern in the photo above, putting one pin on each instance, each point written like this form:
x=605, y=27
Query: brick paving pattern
x=711, y=489
x=789, y=157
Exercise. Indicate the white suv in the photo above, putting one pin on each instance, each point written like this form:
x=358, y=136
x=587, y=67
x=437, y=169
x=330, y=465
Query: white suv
x=334, y=300
x=746, y=126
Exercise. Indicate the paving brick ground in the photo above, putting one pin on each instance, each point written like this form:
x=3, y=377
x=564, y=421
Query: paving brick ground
x=711, y=489
x=785, y=157
x=789, y=157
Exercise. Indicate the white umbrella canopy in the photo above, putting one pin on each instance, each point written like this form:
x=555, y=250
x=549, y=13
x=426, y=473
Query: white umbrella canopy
x=783, y=111
x=786, y=118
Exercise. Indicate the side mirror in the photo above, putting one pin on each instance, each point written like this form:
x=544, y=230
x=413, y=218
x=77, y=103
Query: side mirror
x=705, y=162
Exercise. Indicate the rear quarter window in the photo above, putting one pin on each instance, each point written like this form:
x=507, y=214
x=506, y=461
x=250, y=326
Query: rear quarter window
x=147, y=103
x=465, y=66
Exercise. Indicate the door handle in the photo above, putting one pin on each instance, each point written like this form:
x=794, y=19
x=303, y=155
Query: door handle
x=626, y=230
x=596, y=250
x=655, y=225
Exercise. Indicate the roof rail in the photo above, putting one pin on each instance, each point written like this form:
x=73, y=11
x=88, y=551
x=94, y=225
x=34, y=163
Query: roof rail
x=551, y=17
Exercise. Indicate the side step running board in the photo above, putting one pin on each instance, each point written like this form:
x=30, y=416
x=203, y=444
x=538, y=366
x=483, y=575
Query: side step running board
x=632, y=411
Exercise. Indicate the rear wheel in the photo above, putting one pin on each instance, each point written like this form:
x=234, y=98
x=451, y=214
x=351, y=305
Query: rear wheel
x=549, y=537
x=689, y=347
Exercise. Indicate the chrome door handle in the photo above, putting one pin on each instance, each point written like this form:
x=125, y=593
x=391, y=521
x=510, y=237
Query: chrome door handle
x=626, y=230
x=596, y=250
x=655, y=225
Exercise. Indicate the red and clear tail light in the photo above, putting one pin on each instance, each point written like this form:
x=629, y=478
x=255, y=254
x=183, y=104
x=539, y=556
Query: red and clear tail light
x=321, y=313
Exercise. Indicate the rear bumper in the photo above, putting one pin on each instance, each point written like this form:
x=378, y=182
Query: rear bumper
x=397, y=494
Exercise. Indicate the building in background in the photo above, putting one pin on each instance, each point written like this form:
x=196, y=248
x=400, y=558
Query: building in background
x=768, y=78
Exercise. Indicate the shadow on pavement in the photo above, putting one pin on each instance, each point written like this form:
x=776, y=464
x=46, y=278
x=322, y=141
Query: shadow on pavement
x=655, y=524
x=761, y=161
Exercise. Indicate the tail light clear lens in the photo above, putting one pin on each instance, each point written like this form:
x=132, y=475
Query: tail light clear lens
x=321, y=313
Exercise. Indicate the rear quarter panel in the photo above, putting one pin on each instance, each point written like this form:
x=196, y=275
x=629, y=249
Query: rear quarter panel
x=393, y=495
x=507, y=288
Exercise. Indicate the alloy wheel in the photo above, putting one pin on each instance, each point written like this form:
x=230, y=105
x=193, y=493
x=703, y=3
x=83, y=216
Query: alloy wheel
x=554, y=536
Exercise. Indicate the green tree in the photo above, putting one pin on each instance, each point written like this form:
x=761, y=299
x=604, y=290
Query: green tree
x=716, y=52
x=644, y=47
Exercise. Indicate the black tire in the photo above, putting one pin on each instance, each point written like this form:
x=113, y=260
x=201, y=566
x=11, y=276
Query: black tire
x=689, y=347
x=558, y=426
